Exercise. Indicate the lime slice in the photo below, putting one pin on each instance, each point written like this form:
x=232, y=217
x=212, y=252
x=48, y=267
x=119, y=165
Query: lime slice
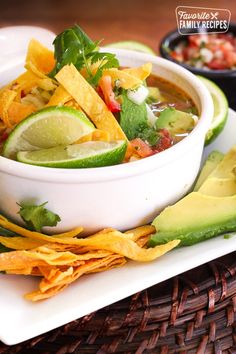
x=132, y=45
x=221, y=108
x=84, y=155
x=47, y=128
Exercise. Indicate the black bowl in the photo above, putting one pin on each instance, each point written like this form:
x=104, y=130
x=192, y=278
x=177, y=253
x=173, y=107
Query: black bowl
x=225, y=79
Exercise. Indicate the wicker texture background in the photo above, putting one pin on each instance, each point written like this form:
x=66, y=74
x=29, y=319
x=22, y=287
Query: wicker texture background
x=191, y=313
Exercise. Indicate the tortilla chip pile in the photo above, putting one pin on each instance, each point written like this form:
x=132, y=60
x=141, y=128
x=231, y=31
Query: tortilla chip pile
x=61, y=259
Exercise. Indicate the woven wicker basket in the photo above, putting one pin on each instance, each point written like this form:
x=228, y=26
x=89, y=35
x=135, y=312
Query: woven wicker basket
x=191, y=313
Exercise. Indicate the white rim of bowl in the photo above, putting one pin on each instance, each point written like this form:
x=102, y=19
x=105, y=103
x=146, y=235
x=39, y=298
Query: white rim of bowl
x=126, y=170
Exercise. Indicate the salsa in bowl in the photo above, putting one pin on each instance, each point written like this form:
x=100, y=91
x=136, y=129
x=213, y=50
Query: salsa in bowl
x=207, y=54
x=127, y=194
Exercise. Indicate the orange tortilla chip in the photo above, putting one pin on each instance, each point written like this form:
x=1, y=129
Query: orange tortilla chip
x=60, y=97
x=40, y=60
x=58, y=280
x=20, y=243
x=6, y=98
x=96, y=135
x=142, y=72
x=89, y=101
x=126, y=80
x=113, y=241
x=18, y=111
x=141, y=231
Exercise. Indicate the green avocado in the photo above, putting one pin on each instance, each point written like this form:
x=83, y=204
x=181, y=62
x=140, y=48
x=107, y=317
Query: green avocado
x=177, y=122
x=221, y=182
x=219, y=187
x=195, y=218
x=226, y=166
x=154, y=95
x=212, y=161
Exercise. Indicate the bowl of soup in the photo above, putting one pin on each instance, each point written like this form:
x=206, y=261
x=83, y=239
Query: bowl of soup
x=131, y=193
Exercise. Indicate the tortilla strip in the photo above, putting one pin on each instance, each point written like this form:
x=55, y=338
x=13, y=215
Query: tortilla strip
x=37, y=235
x=126, y=80
x=113, y=241
x=142, y=72
x=6, y=98
x=59, y=97
x=18, y=111
x=20, y=243
x=48, y=288
x=72, y=233
x=40, y=60
x=89, y=101
x=96, y=135
x=141, y=231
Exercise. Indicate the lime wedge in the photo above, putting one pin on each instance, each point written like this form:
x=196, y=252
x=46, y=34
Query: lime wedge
x=84, y=155
x=221, y=108
x=47, y=128
x=132, y=45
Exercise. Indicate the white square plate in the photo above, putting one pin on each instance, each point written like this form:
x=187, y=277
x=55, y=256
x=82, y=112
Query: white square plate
x=21, y=320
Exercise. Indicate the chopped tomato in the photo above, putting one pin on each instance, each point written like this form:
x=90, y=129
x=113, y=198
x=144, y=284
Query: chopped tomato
x=165, y=141
x=218, y=64
x=141, y=148
x=3, y=137
x=105, y=85
x=213, y=51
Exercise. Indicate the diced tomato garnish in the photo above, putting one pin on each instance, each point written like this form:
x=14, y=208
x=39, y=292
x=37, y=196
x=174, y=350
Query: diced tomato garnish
x=177, y=56
x=217, y=64
x=141, y=148
x=22, y=94
x=105, y=85
x=3, y=137
x=165, y=141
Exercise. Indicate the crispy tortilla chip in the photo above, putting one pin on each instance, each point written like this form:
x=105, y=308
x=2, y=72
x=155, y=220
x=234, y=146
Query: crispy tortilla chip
x=28, y=80
x=6, y=98
x=57, y=280
x=71, y=233
x=17, y=260
x=20, y=243
x=38, y=295
x=60, y=97
x=24, y=271
x=117, y=243
x=126, y=80
x=40, y=60
x=96, y=135
x=2, y=126
x=37, y=235
x=113, y=241
x=142, y=72
x=18, y=111
x=141, y=231
x=89, y=101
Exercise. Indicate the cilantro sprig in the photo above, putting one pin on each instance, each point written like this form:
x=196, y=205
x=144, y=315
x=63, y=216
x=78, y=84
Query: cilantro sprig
x=73, y=46
x=37, y=216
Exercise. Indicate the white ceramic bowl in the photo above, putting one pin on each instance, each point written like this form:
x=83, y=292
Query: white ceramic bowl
x=121, y=196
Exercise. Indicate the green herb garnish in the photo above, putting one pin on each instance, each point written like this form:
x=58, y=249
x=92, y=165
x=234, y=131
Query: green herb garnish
x=73, y=46
x=133, y=121
x=37, y=216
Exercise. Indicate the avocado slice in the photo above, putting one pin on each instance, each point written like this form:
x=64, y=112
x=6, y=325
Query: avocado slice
x=177, y=122
x=226, y=166
x=154, y=95
x=221, y=182
x=212, y=161
x=196, y=217
x=219, y=187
